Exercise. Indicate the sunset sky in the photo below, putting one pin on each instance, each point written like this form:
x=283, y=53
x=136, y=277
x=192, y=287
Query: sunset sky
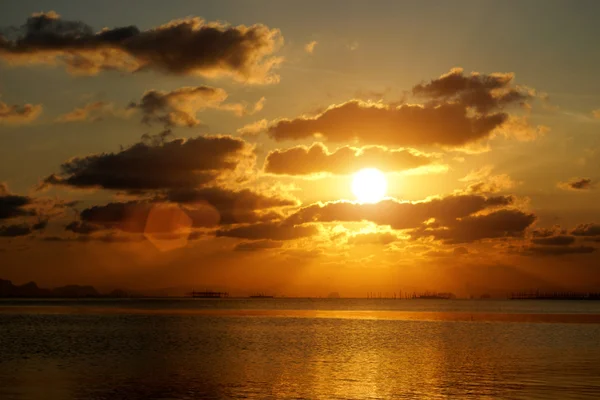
x=152, y=144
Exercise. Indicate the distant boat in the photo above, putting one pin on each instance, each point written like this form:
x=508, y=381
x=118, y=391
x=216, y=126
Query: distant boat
x=260, y=296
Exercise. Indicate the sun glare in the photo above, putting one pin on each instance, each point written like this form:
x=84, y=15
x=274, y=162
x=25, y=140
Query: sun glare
x=369, y=185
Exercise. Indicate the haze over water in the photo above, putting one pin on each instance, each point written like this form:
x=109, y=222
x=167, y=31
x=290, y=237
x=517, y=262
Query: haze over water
x=299, y=349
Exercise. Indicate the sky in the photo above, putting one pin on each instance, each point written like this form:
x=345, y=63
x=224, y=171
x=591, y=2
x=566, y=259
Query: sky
x=209, y=144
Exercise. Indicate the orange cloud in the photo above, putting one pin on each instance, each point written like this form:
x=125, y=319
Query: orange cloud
x=303, y=160
x=14, y=114
x=90, y=112
x=310, y=47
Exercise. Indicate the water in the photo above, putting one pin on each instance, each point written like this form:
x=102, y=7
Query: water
x=299, y=349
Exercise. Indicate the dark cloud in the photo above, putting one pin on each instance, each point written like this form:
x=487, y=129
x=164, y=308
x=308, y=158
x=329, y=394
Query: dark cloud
x=24, y=215
x=303, y=160
x=576, y=184
x=143, y=217
x=269, y=230
x=459, y=251
x=15, y=114
x=452, y=219
x=258, y=245
x=380, y=124
x=547, y=232
x=170, y=165
x=83, y=228
x=187, y=46
x=373, y=238
x=128, y=217
x=461, y=110
x=562, y=240
x=399, y=215
x=179, y=107
x=497, y=224
x=234, y=206
x=587, y=230
x=12, y=206
x=483, y=92
x=207, y=207
x=558, y=250
x=15, y=230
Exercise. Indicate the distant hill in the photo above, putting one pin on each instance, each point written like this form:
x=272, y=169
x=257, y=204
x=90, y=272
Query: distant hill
x=31, y=290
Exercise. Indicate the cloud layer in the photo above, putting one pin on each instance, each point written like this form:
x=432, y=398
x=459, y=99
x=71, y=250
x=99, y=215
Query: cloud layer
x=459, y=110
x=188, y=46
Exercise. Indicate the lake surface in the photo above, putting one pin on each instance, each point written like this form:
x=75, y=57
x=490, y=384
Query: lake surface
x=299, y=349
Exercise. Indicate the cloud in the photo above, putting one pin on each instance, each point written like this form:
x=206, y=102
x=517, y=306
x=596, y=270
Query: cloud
x=576, y=184
x=133, y=217
x=497, y=224
x=557, y=241
x=179, y=107
x=352, y=46
x=269, y=230
x=4, y=189
x=94, y=111
x=12, y=205
x=547, y=232
x=174, y=164
x=14, y=114
x=206, y=207
x=258, y=245
x=587, y=230
x=189, y=46
x=558, y=250
x=253, y=129
x=372, y=238
x=310, y=47
x=460, y=110
x=22, y=214
x=400, y=215
x=560, y=240
x=483, y=92
x=83, y=228
x=483, y=182
x=596, y=113
x=384, y=124
x=519, y=128
x=235, y=206
x=303, y=160
x=15, y=230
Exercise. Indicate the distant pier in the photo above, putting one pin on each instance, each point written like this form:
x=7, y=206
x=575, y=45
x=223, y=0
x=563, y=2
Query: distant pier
x=412, y=296
x=537, y=295
x=208, y=294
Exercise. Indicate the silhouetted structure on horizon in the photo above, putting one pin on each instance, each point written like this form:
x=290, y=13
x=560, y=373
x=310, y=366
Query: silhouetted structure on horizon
x=32, y=290
x=208, y=294
x=412, y=296
x=537, y=295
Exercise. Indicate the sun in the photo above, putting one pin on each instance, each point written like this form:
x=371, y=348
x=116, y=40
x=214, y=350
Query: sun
x=369, y=185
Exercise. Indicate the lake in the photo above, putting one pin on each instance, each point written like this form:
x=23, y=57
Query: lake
x=299, y=349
